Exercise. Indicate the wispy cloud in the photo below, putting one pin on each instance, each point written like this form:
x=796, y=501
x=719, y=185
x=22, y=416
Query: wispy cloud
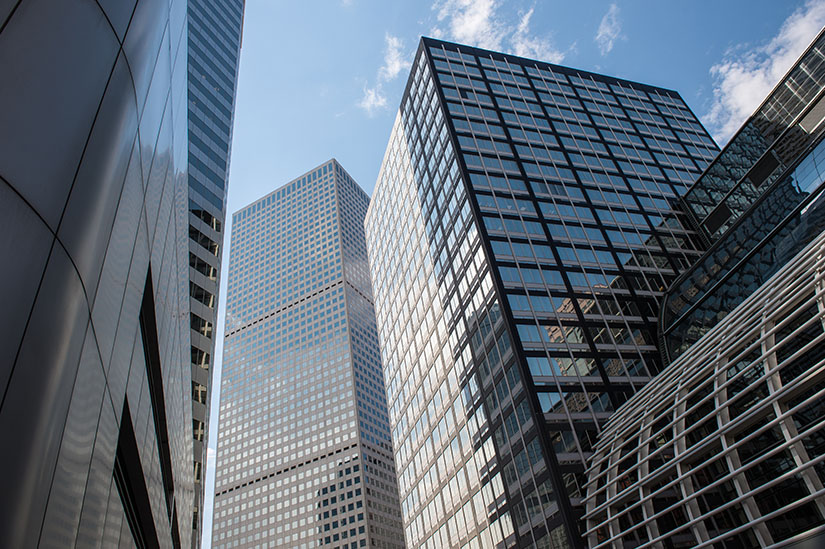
x=438, y=33
x=609, y=30
x=481, y=23
x=395, y=62
x=373, y=100
x=472, y=22
x=394, y=59
x=745, y=76
x=527, y=45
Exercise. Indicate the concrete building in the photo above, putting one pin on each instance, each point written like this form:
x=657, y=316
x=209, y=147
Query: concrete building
x=304, y=451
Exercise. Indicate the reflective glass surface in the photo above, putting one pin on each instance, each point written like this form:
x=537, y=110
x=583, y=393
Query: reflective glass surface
x=521, y=235
x=780, y=223
x=770, y=142
x=725, y=448
x=214, y=41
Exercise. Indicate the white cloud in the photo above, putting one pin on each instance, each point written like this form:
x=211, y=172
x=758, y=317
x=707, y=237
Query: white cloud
x=373, y=100
x=473, y=22
x=609, y=30
x=210, y=456
x=394, y=59
x=395, y=62
x=526, y=45
x=480, y=23
x=743, y=79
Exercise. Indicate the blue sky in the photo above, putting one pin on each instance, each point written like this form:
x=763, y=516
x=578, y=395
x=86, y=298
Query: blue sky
x=322, y=79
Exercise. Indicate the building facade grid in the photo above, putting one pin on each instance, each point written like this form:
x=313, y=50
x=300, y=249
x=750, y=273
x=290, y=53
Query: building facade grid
x=765, y=146
x=772, y=170
x=304, y=453
x=520, y=235
x=214, y=41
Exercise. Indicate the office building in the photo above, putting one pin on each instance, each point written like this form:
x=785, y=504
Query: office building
x=214, y=29
x=96, y=413
x=725, y=448
x=522, y=232
x=304, y=451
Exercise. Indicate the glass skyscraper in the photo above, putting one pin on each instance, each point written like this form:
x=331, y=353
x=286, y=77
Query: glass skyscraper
x=304, y=451
x=521, y=235
x=214, y=36
x=96, y=410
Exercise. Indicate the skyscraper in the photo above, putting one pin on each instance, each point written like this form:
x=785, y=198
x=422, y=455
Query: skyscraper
x=726, y=447
x=214, y=28
x=521, y=235
x=304, y=451
x=95, y=416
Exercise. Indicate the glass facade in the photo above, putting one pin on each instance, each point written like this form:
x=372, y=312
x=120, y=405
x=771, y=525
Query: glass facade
x=769, y=210
x=772, y=139
x=214, y=41
x=304, y=452
x=726, y=447
x=785, y=219
x=96, y=413
x=521, y=235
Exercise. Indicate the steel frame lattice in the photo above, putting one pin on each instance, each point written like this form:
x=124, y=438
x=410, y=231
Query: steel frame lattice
x=726, y=445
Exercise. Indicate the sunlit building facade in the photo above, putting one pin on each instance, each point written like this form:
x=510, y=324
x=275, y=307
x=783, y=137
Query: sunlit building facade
x=304, y=451
x=521, y=235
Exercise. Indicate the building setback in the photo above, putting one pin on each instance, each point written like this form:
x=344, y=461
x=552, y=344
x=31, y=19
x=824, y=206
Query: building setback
x=726, y=447
x=304, y=451
x=521, y=235
x=96, y=413
x=214, y=33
